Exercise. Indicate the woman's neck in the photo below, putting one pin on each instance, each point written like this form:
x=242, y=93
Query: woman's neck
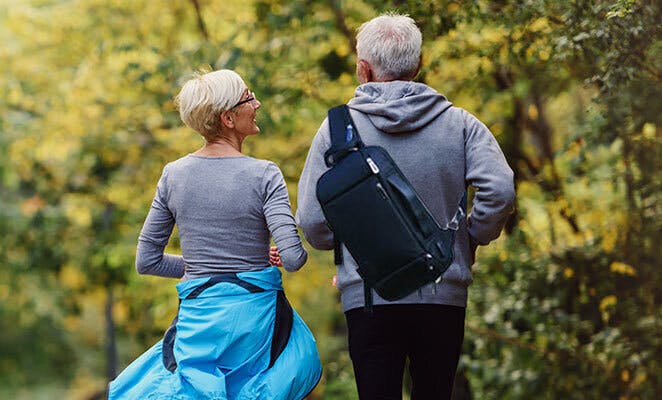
x=221, y=147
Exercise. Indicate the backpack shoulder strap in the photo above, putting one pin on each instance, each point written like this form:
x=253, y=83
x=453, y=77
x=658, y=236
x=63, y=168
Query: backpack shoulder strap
x=344, y=136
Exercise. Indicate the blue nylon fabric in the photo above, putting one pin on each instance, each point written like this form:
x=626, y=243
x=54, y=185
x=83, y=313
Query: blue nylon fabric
x=222, y=348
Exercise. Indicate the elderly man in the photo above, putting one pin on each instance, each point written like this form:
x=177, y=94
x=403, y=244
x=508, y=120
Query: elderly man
x=441, y=149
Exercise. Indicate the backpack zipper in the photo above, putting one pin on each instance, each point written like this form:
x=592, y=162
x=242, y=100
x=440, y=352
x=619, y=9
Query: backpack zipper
x=375, y=170
x=373, y=167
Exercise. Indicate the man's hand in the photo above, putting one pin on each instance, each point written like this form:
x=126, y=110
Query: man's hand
x=274, y=257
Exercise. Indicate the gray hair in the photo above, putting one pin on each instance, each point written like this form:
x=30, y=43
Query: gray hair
x=391, y=43
x=203, y=98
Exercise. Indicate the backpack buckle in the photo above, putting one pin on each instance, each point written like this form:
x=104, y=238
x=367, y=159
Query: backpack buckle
x=332, y=156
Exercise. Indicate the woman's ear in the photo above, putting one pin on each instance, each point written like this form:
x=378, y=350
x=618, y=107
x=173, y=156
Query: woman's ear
x=227, y=118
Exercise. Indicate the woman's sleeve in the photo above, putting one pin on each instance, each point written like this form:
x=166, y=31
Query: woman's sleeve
x=154, y=236
x=280, y=222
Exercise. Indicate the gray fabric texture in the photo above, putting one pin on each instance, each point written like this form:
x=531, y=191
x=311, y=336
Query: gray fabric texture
x=226, y=209
x=441, y=149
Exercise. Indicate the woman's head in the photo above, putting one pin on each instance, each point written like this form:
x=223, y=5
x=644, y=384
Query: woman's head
x=205, y=97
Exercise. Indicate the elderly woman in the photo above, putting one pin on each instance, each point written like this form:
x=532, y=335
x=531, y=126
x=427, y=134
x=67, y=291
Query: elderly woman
x=235, y=335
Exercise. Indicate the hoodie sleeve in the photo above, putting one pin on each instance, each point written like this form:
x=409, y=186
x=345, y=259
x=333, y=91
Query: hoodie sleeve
x=487, y=171
x=309, y=212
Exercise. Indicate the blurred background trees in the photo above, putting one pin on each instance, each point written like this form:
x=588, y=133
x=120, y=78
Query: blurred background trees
x=564, y=305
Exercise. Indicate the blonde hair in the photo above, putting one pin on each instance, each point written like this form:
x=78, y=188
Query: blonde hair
x=204, y=97
x=391, y=43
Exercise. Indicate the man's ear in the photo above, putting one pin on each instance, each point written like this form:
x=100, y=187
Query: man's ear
x=418, y=69
x=364, y=72
x=227, y=118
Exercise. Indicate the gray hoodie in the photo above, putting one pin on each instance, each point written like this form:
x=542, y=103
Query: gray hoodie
x=441, y=149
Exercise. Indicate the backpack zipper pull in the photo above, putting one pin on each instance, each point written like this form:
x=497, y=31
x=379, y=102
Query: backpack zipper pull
x=428, y=257
x=373, y=167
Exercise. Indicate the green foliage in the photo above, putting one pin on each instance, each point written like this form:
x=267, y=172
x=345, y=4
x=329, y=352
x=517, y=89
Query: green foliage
x=24, y=348
x=565, y=305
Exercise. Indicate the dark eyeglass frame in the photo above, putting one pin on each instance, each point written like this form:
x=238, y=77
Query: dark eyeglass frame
x=251, y=97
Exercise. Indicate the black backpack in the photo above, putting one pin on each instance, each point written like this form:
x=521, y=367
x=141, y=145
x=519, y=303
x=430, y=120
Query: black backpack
x=374, y=211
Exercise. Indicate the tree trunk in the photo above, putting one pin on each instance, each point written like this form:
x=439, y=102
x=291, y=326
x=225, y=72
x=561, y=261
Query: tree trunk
x=111, y=347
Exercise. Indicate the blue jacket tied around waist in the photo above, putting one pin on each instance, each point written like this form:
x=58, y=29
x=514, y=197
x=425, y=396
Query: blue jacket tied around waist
x=235, y=337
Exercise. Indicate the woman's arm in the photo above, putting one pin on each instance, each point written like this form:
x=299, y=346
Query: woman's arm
x=154, y=236
x=280, y=222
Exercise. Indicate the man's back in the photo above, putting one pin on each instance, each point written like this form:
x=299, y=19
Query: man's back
x=439, y=148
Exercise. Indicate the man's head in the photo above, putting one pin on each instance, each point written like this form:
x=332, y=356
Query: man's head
x=388, y=49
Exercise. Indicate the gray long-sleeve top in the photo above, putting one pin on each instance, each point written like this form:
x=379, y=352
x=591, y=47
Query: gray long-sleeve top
x=441, y=149
x=225, y=209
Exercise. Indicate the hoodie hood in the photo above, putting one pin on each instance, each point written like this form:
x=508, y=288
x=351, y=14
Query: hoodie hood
x=399, y=106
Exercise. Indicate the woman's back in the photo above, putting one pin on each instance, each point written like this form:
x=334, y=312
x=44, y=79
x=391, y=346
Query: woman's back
x=225, y=209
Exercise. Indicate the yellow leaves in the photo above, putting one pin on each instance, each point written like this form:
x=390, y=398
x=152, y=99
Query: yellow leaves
x=533, y=112
x=120, y=312
x=71, y=323
x=495, y=34
x=540, y=25
x=4, y=291
x=539, y=49
x=452, y=34
x=71, y=277
x=343, y=49
x=622, y=268
x=77, y=210
x=639, y=378
x=568, y=273
x=346, y=79
x=649, y=131
x=516, y=34
x=606, y=304
x=575, y=148
x=625, y=375
x=609, y=238
x=120, y=194
x=452, y=8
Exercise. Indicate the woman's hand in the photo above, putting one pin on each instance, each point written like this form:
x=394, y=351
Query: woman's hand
x=274, y=257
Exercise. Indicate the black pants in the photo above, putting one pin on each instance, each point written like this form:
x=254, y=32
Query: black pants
x=429, y=335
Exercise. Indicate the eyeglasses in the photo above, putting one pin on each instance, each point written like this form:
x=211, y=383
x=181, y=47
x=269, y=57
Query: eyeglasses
x=251, y=97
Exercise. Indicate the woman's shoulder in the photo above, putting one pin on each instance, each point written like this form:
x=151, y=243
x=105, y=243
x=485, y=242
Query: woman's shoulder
x=259, y=167
x=259, y=163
